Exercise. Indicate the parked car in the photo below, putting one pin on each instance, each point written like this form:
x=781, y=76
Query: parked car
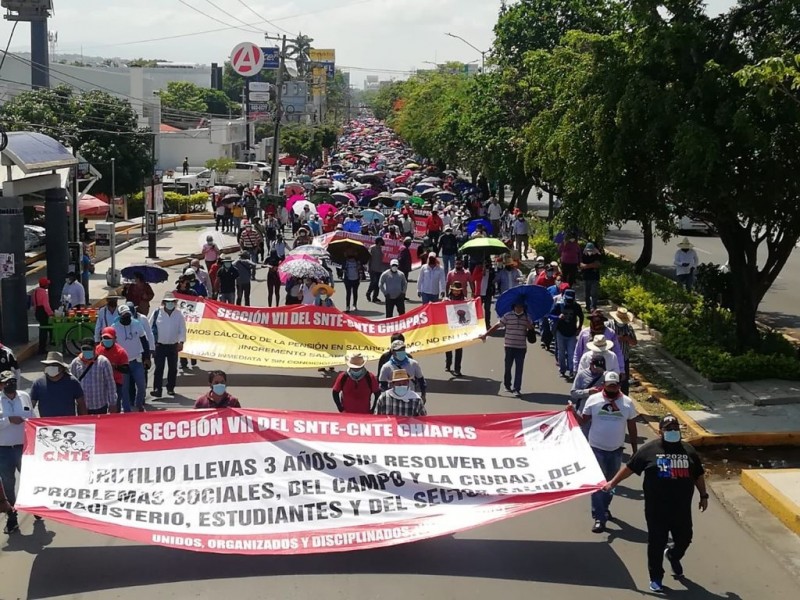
x=689, y=225
x=197, y=181
x=35, y=237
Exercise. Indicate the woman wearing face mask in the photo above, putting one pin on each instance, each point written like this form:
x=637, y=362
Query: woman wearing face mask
x=672, y=470
x=356, y=390
x=96, y=376
x=118, y=358
x=217, y=395
x=322, y=295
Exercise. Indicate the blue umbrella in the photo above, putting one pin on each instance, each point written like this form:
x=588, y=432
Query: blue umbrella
x=538, y=301
x=352, y=227
x=445, y=196
x=473, y=225
x=151, y=273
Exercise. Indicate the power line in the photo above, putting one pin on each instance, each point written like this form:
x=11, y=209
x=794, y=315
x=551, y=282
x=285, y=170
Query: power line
x=234, y=17
x=262, y=19
x=213, y=18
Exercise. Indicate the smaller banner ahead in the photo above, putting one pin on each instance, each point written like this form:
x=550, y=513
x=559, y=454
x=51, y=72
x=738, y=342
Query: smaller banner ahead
x=276, y=482
x=391, y=248
x=301, y=337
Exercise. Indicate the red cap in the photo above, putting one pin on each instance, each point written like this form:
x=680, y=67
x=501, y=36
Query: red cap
x=44, y=282
x=109, y=331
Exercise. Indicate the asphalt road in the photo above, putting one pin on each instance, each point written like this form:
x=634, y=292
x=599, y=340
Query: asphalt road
x=550, y=553
x=780, y=306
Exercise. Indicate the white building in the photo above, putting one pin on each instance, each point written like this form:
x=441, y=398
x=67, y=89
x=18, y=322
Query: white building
x=140, y=87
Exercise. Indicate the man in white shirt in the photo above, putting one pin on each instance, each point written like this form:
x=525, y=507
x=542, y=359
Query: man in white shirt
x=106, y=316
x=521, y=233
x=15, y=409
x=169, y=330
x=432, y=281
x=133, y=339
x=73, y=293
x=494, y=211
x=610, y=413
x=686, y=262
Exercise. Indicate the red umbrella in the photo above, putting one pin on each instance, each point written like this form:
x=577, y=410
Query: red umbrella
x=88, y=206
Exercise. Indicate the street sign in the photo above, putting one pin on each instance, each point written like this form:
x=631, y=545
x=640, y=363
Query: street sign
x=259, y=86
x=247, y=59
x=272, y=58
x=152, y=222
x=259, y=96
x=324, y=59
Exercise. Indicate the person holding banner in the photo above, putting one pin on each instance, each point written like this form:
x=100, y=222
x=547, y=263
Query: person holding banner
x=217, y=396
x=356, y=390
x=400, y=360
x=456, y=295
x=517, y=323
x=672, y=470
x=15, y=409
x=609, y=414
x=400, y=400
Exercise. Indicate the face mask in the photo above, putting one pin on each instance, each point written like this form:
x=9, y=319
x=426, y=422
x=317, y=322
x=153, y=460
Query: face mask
x=401, y=390
x=219, y=388
x=88, y=354
x=431, y=263
x=169, y=305
x=672, y=437
x=108, y=343
x=394, y=269
x=227, y=265
x=52, y=371
x=323, y=297
x=10, y=387
x=357, y=373
x=400, y=356
x=125, y=319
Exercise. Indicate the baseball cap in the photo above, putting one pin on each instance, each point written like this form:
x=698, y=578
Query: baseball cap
x=611, y=377
x=569, y=294
x=124, y=309
x=398, y=345
x=394, y=263
x=7, y=376
x=109, y=332
x=44, y=282
x=666, y=420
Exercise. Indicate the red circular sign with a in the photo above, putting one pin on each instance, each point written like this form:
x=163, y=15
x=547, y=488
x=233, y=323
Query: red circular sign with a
x=247, y=59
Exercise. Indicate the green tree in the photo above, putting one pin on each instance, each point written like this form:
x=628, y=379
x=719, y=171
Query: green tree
x=220, y=165
x=184, y=96
x=100, y=126
x=307, y=140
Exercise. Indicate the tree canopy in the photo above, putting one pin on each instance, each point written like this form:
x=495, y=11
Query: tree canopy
x=100, y=126
x=183, y=100
x=643, y=111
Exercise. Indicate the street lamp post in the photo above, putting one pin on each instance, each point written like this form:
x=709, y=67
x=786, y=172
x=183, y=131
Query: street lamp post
x=478, y=50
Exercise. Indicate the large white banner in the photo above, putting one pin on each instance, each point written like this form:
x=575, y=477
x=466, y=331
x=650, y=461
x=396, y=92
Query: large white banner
x=274, y=482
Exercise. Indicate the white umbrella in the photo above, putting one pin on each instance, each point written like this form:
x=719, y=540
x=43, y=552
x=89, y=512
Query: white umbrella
x=217, y=236
x=340, y=186
x=299, y=207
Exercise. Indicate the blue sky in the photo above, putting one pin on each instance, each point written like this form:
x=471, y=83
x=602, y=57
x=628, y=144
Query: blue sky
x=381, y=37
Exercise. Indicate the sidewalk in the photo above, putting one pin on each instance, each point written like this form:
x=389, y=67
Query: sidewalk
x=175, y=246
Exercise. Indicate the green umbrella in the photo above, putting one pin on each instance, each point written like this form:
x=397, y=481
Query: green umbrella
x=304, y=178
x=417, y=200
x=484, y=246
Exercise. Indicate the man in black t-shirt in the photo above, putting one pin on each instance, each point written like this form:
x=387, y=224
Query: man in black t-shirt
x=672, y=469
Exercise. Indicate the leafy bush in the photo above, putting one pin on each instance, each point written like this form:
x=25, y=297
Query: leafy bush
x=174, y=204
x=695, y=330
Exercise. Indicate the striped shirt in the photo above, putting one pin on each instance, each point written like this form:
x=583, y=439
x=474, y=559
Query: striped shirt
x=516, y=329
x=411, y=405
x=99, y=389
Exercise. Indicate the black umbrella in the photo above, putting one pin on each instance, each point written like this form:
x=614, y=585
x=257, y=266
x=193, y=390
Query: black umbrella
x=151, y=273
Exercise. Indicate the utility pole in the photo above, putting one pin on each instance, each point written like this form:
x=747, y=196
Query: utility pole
x=246, y=124
x=113, y=280
x=273, y=183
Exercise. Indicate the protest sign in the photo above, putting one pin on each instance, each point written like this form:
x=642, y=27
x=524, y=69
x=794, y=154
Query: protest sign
x=274, y=482
x=301, y=336
x=391, y=248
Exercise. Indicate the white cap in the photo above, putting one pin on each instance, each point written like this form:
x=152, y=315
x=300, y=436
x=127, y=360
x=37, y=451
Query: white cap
x=611, y=377
x=394, y=263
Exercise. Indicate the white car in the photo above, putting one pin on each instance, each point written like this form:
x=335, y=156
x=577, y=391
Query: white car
x=690, y=225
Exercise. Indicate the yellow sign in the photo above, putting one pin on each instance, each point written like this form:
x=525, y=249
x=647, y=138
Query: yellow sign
x=319, y=82
x=317, y=55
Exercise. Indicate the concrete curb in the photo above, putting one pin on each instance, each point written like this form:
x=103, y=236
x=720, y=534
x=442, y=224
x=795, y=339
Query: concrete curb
x=772, y=498
x=699, y=437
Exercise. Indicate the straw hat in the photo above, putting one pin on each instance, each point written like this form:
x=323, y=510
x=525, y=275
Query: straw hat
x=685, y=243
x=322, y=288
x=400, y=375
x=621, y=315
x=355, y=360
x=599, y=343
